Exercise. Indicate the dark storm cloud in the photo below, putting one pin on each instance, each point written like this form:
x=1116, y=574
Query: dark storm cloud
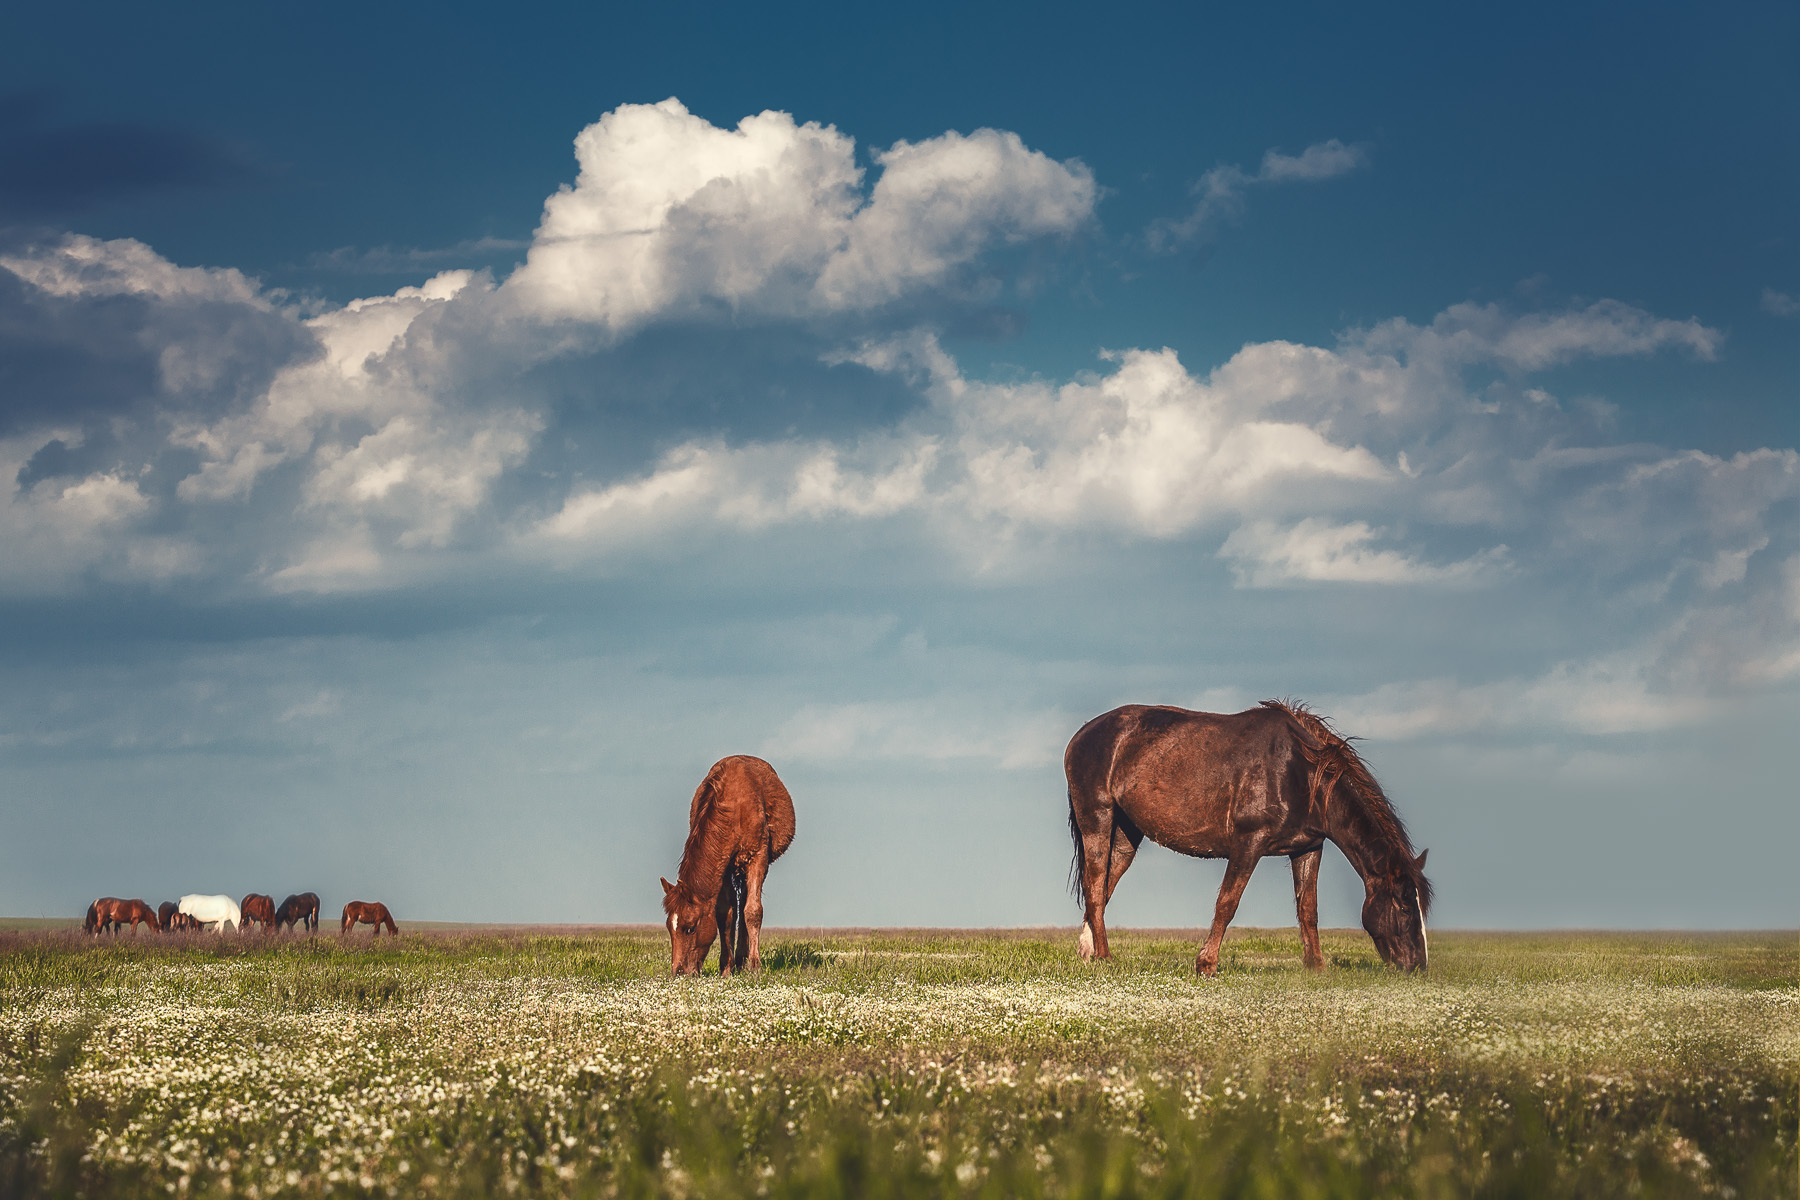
x=50, y=172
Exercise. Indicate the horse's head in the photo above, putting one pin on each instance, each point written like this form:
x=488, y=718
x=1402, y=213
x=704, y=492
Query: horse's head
x=692, y=927
x=1394, y=906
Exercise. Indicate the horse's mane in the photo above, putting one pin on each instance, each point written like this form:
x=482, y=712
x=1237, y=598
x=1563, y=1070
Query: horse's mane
x=696, y=853
x=1334, y=760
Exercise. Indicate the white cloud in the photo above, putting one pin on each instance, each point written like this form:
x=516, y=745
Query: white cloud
x=75, y=265
x=1322, y=160
x=1486, y=333
x=1219, y=194
x=402, y=437
x=1779, y=304
x=748, y=489
x=1147, y=449
x=941, y=203
x=1264, y=554
x=57, y=530
x=671, y=214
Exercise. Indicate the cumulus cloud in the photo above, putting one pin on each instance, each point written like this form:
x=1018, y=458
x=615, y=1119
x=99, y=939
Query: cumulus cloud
x=1779, y=304
x=194, y=424
x=1146, y=448
x=351, y=437
x=1219, y=194
x=1151, y=449
x=56, y=531
x=95, y=330
x=671, y=214
x=1263, y=554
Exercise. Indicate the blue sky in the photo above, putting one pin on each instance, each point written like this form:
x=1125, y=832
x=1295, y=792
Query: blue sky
x=431, y=441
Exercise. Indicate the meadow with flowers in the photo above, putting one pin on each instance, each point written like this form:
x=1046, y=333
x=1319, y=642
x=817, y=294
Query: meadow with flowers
x=896, y=1063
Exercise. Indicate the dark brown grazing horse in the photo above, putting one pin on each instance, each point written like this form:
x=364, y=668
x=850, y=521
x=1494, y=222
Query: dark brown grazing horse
x=109, y=914
x=1274, y=780
x=258, y=908
x=303, y=908
x=366, y=912
x=740, y=820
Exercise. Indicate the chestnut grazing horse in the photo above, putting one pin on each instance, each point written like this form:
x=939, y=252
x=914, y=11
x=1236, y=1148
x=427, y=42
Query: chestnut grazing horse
x=1274, y=780
x=258, y=909
x=109, y=914
x=740, y=820
x=302, y=908
x=367, y=912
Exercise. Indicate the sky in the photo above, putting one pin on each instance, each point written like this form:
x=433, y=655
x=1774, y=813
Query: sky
x=430, y=438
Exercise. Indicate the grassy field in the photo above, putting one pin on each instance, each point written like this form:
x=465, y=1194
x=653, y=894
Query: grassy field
x=897, y=1063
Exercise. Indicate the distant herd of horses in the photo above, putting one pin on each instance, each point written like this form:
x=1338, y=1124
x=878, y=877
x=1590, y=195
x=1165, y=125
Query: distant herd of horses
x=1276, y=779
x=109, y=914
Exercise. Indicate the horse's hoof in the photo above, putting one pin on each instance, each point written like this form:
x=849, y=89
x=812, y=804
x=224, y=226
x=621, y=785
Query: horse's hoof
x=1208, y=970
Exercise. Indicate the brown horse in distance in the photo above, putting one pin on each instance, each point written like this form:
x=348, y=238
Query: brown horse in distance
x=1276, y=779
x=109, y=914
x=302, y=908
x=368, y=912
x=258, y=908
x=740, y=820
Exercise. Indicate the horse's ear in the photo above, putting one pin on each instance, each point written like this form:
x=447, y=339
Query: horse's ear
x=667, y=886
x=1419, y=862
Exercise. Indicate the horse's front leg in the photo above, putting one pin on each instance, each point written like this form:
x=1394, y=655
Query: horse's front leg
x=1306, y=906
x=725, y=920
x=1237, y=874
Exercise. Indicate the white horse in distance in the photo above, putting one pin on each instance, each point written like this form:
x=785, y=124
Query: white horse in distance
x=213, y=911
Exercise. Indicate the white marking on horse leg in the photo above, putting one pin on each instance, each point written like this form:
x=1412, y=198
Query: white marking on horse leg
x=1085, y=943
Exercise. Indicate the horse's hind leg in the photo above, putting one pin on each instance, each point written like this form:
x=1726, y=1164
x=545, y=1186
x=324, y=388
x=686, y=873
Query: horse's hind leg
x=1306, y=906
x=1094, y=834
x=1126, y=836
x=754, y=874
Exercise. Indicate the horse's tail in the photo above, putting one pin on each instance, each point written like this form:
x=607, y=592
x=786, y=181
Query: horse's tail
x=741, y=934
x=1075, y=856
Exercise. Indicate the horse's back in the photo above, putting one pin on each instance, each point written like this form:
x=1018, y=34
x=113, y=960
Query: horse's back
x=1093, y=754
x=747, y=791
x=210, y=909
x=1186, y=778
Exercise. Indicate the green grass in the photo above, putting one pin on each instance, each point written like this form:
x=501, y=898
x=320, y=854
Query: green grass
x=897, y=1063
